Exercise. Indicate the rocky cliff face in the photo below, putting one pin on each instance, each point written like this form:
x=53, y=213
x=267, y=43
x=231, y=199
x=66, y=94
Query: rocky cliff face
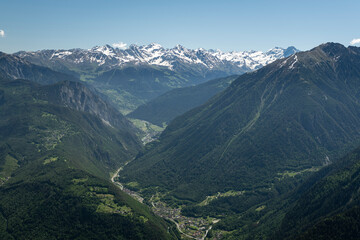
x=77, y=96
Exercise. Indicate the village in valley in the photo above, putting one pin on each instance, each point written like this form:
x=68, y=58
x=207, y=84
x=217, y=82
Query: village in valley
x=189, y=227
x=196, y=228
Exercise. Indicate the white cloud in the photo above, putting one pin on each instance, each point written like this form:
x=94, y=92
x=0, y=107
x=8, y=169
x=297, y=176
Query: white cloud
x=120, y=45
x=355, y=41
x=2, y=33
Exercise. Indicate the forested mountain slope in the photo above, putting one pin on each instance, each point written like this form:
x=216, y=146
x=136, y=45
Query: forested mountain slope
x=171, y=104
x=289, y=116
x=329, y=206
x=55, y=165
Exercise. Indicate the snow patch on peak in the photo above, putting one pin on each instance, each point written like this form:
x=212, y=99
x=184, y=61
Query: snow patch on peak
x=293, y=63
x=106, y=50
x=61, y=54
x=152, y=47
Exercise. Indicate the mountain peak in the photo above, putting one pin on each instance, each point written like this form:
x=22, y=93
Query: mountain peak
x=283, y=52
x=179, y=47
x=331, y=44
x=106, y=49
x=331, y=48
x=290, y=51
x=153, y=46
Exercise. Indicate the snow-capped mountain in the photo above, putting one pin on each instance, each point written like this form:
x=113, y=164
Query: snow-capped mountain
x=133, y=76
x=178, y=58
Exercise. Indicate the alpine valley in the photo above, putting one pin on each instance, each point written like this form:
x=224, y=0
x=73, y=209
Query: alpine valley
x=131, y=77
x=255, y=145
x=241, y=156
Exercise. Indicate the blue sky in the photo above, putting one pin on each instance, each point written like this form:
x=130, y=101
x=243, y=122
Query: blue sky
x=226, y=24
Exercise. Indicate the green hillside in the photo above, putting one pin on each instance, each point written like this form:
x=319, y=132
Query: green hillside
x=175, y=102
x=287, y=117
x=328, y=208
x=55, y=165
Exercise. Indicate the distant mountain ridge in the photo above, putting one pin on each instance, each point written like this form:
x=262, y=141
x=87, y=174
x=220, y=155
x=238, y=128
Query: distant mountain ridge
x=178, y=58
x=14, y=67
x=133, y=76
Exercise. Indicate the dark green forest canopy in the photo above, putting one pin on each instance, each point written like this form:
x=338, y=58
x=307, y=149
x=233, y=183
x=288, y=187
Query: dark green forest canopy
x=55, y=165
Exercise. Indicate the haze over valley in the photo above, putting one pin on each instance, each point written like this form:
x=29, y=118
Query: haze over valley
x=106, y=134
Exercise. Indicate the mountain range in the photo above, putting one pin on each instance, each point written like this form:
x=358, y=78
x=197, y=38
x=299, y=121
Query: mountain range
x=270, y=154
x=178, y=58
x=261, y=137
x=131, y=77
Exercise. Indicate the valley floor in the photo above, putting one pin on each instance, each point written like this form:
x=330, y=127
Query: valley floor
x=189, y=227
